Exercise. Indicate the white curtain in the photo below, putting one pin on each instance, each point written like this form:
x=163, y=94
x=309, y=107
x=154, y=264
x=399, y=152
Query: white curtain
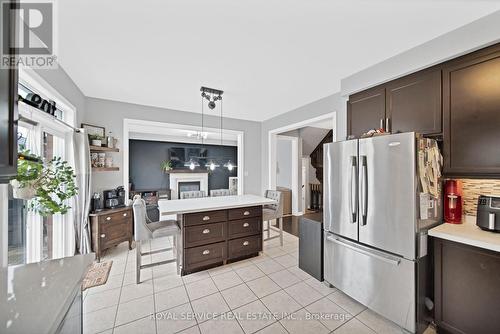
x=81, y=203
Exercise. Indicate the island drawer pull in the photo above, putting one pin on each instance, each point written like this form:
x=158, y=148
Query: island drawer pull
x=108, y=218
x=246, y=213
x=206, y=231
x=246, y=243
x=246, y=224
x=103, y=235
x=125, y=214
x=206, y=252
x=206, y=218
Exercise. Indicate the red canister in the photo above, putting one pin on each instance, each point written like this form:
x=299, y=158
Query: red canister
x=453, y=202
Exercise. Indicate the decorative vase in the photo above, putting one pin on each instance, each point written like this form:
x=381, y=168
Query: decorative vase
x=25, y=193
x=96, y=142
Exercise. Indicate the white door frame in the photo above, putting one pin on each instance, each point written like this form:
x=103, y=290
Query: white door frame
x=272, y=139
x=296, y=209
x=153, y=127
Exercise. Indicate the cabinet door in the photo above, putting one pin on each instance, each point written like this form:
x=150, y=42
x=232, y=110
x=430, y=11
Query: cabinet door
x=471, y=108
x=366, y=110
x=414, y=103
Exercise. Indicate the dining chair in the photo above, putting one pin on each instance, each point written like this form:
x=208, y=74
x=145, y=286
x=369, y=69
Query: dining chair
x=220, y=192
x=193, y=194
x=273, y=212
x=146, y=230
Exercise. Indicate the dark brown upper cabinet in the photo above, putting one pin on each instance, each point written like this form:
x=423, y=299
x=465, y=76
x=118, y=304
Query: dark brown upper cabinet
x=471, y=110
x=413, y=103
x=365, y=111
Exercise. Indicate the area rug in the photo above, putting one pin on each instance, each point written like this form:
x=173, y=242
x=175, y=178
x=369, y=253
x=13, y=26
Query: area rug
x=97, y=275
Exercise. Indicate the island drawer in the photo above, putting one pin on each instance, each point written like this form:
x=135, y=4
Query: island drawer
x=204, y=217
x=204, y=255
x=204, y=234
x=244, y=227
x=239, y=213
x=244, y=246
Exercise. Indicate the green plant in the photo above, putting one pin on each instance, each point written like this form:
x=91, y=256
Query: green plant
x=54, y=184
x=166, y=165
x=95, y=137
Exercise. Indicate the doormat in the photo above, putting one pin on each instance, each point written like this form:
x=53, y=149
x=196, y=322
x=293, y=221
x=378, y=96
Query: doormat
x=97, y=275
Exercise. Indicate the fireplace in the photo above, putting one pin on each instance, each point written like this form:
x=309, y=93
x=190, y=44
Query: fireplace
x=187, y=186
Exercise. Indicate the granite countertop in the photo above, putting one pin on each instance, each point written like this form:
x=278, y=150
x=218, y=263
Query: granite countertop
x=180, y=206
x=467, y=233
x=34, y=298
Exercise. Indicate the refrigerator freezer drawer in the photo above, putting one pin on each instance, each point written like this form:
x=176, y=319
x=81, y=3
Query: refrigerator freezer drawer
x=383, y=282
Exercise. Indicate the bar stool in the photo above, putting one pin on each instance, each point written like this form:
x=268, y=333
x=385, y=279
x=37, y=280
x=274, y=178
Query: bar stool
x=271, y=212
x=193, y=194
x=220, y=192
x=147, y=230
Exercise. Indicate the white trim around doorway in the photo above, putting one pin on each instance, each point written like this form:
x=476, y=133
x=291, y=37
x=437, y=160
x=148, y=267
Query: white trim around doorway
x=153, y=127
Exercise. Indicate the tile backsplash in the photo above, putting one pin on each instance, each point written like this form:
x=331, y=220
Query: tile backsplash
x=472, y=188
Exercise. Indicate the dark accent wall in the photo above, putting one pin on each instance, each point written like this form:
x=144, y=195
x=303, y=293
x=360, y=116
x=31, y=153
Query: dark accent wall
x=146, y=157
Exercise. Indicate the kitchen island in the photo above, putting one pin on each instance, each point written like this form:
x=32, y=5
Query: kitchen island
x=216, y=230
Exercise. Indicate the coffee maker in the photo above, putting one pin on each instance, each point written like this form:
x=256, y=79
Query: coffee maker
x=114, y=198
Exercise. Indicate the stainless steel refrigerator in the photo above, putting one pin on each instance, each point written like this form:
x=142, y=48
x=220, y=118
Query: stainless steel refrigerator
x=377, y=209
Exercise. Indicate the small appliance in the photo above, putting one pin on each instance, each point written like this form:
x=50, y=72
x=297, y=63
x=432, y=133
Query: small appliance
x=488, y=213
x=453, y=202
x=114, y=198
x=96, y=203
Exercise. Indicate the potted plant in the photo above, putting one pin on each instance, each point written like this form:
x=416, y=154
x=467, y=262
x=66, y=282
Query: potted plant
x=96, y=140
x=49, y=186
x=167, y=165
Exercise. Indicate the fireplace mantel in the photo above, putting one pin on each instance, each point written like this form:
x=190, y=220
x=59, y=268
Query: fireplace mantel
x=188, y=176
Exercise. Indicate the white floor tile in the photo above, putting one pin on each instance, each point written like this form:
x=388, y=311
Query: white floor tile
x=263, y=286
x=195, y=277
x=378, y=323
x=101, y=300
x=130, y=277
x=275, y=328
x=167, y=299
x=176, y=319
x=300, y=324
x=191, y=330
x=221, y=325
x=142, y=326
x=238, y=296
x=328, y=313
x=274, y=252
x=250, y=272
x=167, y=282
x=134, y=291
x=254, y=316
x=281, y=304
x=209, y=307
x=201, y=288
x=303, y=293
x=98, y=321
x=299, y=273
x=284, y=278
x=286, y=260
x=346, y=302
x=269, y=266
x=219, y=270
x=354, y=326
x=134, y=309
x=113, y=282
x=226, y=280
x=321, y=287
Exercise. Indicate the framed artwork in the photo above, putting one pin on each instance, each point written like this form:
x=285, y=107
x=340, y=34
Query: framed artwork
x=94, y=130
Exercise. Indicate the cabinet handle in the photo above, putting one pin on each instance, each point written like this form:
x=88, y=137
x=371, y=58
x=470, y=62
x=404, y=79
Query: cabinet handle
x=206, y=231
x=125, y=215
x=246, y=213
x=246, y=243
x=206, y=218
x=387, y=124
x=103, y=235
x=246, y=224
x=108, y=218
x=206, y=252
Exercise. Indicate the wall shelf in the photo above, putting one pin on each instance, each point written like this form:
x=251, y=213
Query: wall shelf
x=105, y=169
x=103, y=149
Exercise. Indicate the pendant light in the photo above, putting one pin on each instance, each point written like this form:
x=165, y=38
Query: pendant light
x=212, y=165
x=229, y=165
x=192, y=164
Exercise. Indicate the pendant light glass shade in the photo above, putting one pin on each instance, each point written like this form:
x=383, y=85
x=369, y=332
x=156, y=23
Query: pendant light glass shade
x=229, y=165
x=191, y=164
x=212, y=165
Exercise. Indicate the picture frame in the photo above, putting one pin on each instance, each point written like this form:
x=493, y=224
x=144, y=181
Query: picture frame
x=94, y=130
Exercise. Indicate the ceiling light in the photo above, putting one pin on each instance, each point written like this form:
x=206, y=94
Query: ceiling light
x=191, y=164
x=229, y=165
x=212, y=165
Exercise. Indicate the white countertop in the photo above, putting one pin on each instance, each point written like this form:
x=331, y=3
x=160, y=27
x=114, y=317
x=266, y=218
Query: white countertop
x=180, y=206
x=467, y=233
x=34, y=298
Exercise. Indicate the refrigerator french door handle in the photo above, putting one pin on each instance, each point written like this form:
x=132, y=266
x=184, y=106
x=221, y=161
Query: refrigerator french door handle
x=364, y=190
x=382, y=126
x=353, y=190
x=388, y=259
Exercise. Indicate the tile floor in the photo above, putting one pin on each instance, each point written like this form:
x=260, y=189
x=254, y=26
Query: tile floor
x=265, y=294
